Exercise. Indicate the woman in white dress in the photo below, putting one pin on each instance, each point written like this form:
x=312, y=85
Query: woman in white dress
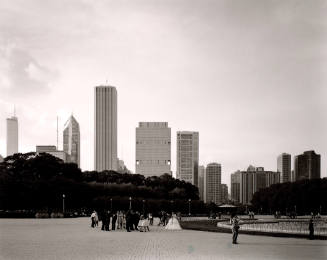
x=173, y=223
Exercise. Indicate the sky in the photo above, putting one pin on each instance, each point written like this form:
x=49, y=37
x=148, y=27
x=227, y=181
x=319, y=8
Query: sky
x=250, y=76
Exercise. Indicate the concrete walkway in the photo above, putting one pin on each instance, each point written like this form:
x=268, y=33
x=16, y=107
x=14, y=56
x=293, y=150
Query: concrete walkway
x=75, y=239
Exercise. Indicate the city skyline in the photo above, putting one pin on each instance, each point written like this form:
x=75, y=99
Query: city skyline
x=251, y=95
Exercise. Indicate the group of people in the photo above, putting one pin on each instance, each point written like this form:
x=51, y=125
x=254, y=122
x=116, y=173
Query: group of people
x=129, y=221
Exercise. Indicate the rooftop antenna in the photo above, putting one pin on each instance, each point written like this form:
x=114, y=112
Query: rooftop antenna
x=14, y=110
x=57, y=134
x=106, y=81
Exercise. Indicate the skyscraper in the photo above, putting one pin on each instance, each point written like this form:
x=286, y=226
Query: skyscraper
x=105, y=116
x=72, y=140
x=153, y=149
x=307, y=166
x=235, y=186
x=224, y=193
x=213, y=183
x=284, y=167
x=201, y=181
x=188, y=156
x=12, y=135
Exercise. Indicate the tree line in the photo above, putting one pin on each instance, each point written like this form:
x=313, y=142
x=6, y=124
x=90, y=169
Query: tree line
x=302, y=197
x=38, y=181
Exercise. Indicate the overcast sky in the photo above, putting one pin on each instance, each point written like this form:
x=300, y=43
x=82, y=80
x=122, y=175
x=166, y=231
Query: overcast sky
x=250, y=76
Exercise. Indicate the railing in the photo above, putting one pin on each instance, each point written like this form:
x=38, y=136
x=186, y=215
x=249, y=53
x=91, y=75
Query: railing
x=288, y=227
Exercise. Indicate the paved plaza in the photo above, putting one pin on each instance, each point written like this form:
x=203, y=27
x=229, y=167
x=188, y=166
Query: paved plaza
x=75, y=239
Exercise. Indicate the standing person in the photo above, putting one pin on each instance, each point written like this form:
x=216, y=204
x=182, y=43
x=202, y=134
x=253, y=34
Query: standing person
x=311, y=230
x=96, y=219
x=114, y=219
x=235, y=228
x=93, y=219
x=150, y=219
x=128, y=220
x=136, y=220
x=107, y=221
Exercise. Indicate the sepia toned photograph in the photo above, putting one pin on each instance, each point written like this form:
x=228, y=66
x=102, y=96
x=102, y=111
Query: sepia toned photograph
x=163, y=129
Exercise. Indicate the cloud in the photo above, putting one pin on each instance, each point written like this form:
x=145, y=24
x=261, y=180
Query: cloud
x=21, y=75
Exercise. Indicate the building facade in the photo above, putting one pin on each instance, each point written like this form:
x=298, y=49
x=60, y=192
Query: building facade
x=187, y=156
x=105, y=139
x=253, y=180
x=213, y=183
x=307, y=166
x=153, y=149
x=224, y=193
x=71, y=137
x=12, y=135
x=235, y=186
x=51, y=149
x=284, y=167
x=201, y=175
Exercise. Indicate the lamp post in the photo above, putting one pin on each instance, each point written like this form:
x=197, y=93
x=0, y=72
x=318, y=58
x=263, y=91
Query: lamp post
x=172, y=206
x=143, y=201
x=320, y=210
x=110, y=204
x=189, y=207
x=130, y=202
x=63, y=203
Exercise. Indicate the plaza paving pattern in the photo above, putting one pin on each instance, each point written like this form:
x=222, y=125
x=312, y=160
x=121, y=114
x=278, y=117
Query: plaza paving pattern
x=75, y=239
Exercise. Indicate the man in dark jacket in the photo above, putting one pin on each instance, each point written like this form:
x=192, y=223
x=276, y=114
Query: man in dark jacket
x=128, y=221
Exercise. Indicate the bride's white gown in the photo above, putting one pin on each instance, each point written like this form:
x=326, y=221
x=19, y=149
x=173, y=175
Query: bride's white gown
x=173, y=224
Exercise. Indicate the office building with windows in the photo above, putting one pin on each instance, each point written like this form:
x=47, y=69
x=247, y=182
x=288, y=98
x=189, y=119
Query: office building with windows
x=235, y=186
x=187, y=156
x=254, y=179
x=284, y=167
x=52, y=149
x=307, y=166
x=201, y=187
x=153, y=149
x=105, y=130
x=213, y=183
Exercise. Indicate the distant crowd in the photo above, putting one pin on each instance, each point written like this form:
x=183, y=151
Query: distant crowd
x=127, y=220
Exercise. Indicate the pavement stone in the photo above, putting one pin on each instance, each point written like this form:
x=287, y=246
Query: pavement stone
x=75, y=239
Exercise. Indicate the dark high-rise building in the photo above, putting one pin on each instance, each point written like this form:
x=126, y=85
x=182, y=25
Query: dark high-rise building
x=254, y=179
x=284, y=167
x=235, y=186
x=307, y=166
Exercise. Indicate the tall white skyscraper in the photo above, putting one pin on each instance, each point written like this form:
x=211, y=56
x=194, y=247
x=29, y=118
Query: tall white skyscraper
x=284, y=167
x=72, y=140
x=105, y=116
x=12, y=135
x=153, y=149
x=213, y=183
x=188, y=156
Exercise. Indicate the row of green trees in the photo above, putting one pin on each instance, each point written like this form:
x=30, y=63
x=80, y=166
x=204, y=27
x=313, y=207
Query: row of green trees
x=32, y=181
x=302, y=197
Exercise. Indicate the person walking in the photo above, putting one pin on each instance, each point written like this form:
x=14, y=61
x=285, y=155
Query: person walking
x=311, y=230
x=235, y=228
